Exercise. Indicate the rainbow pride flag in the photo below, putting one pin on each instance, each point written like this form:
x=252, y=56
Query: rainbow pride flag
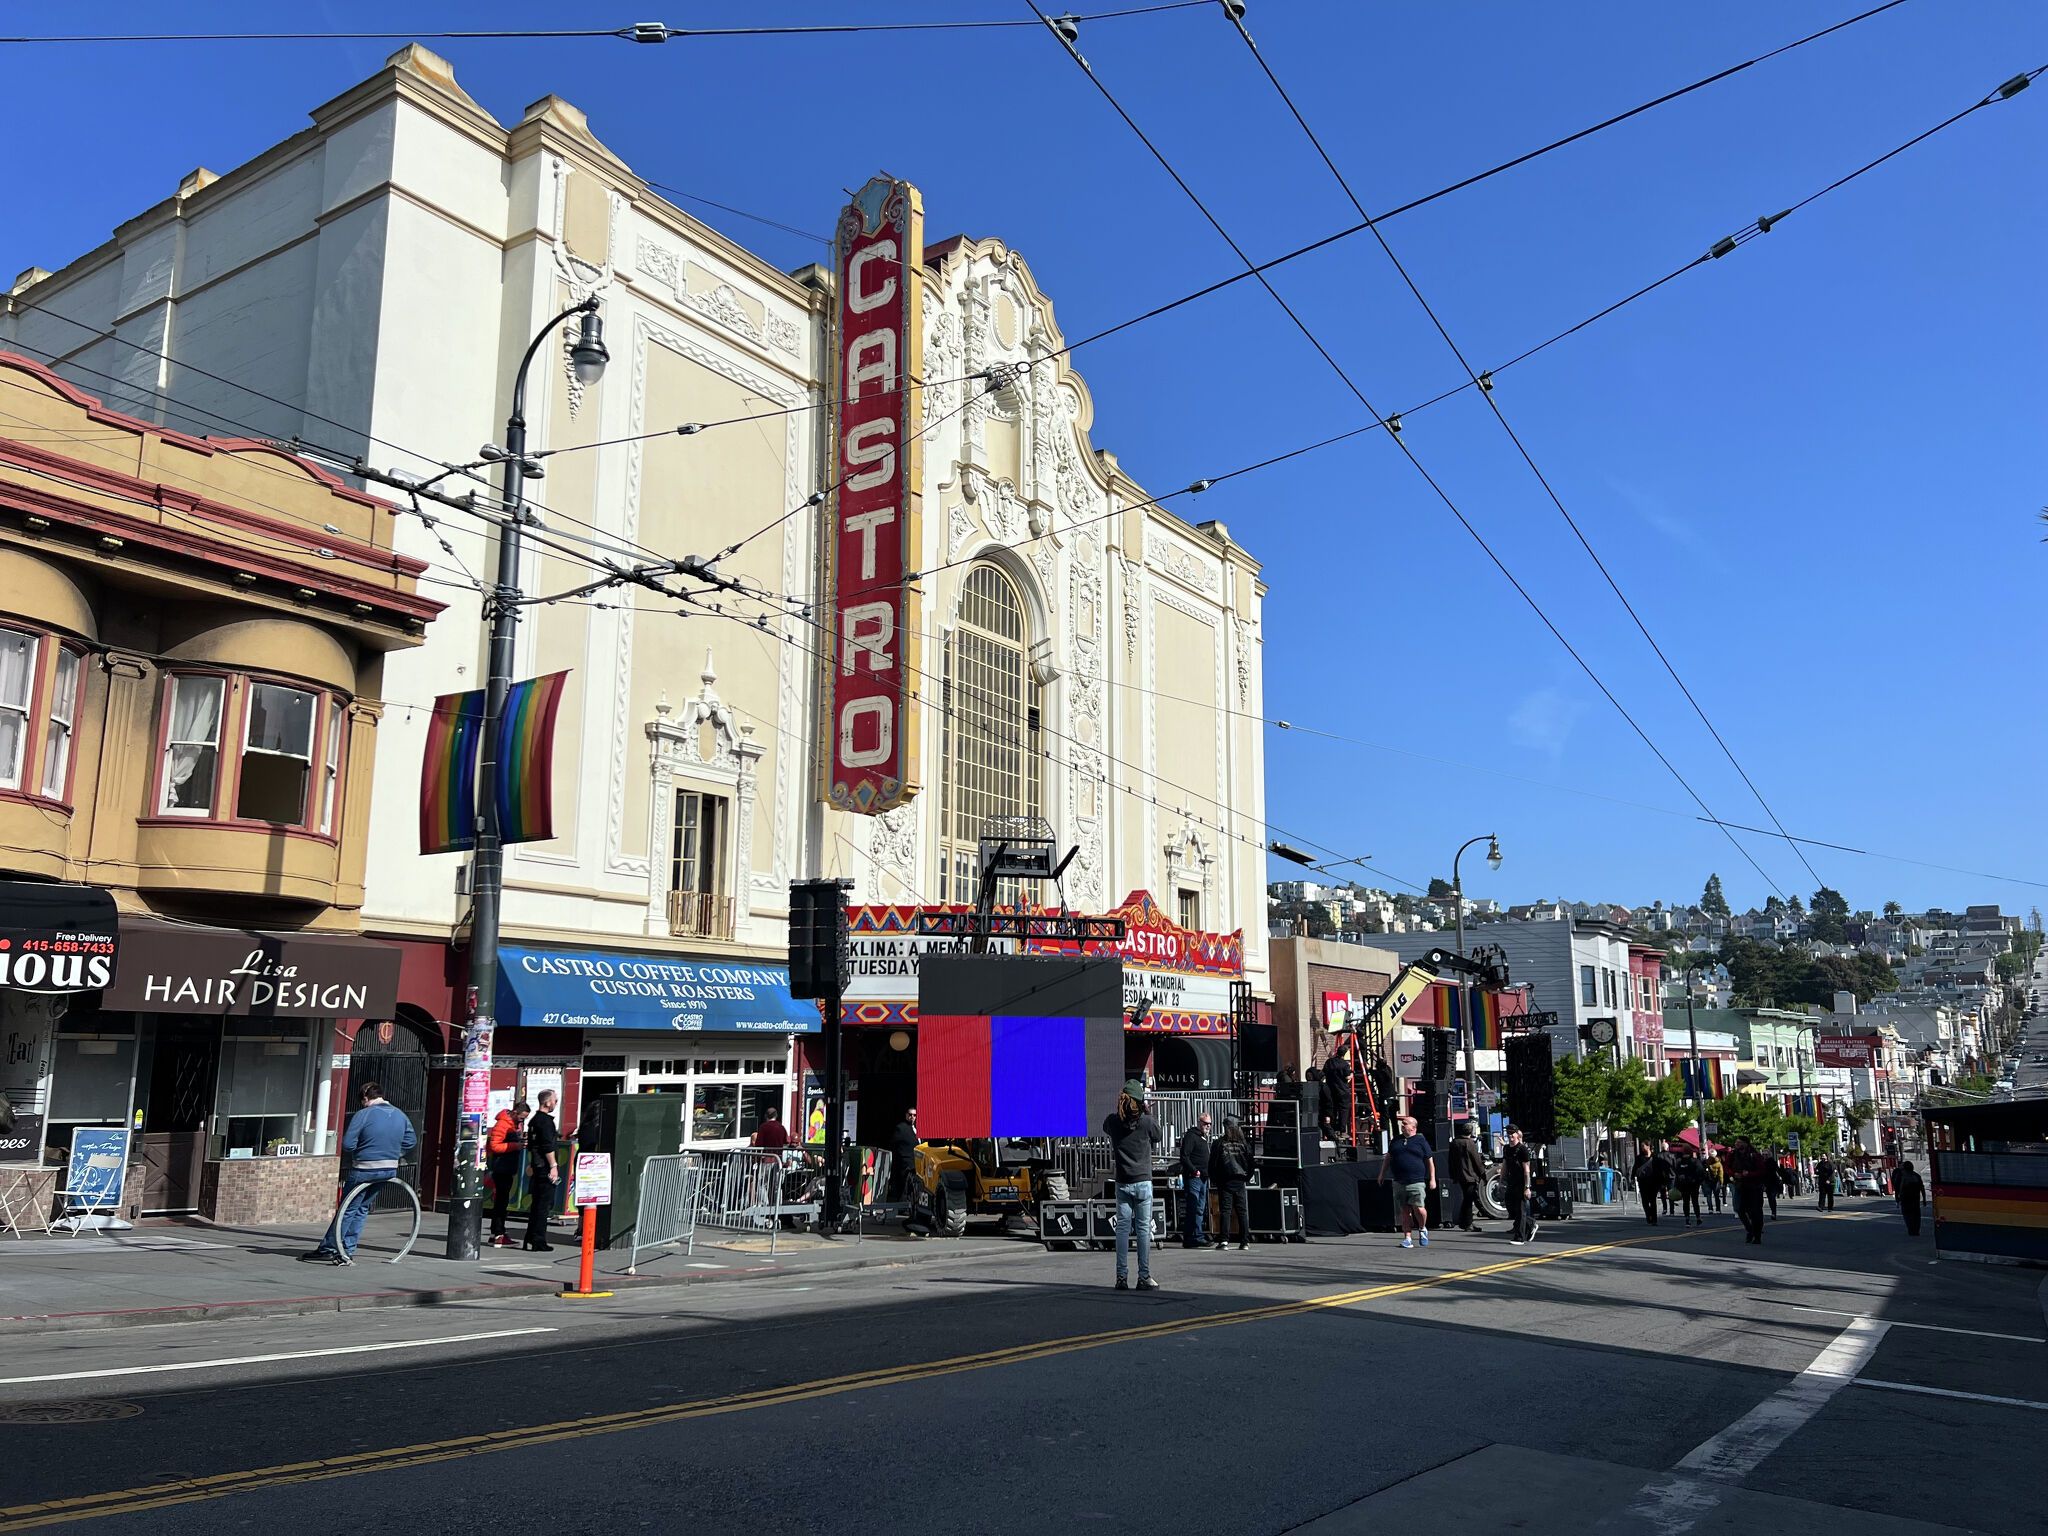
x=448, y=773
x=525, y=789
x=526, y=759
x=1485, y=1016
x=1704, y=1078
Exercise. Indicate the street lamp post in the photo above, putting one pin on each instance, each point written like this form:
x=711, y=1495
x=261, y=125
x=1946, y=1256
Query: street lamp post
x=1465, y=982
x=587, y=357
x=1697, y=1088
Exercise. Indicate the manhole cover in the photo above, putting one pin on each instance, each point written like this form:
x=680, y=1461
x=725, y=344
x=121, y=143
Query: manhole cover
x=66, y=1413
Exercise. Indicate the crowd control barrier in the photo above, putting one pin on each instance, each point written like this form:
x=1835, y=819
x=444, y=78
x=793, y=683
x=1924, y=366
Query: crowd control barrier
x=670, y=1187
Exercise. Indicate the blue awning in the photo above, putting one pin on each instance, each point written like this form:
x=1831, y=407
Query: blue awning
x=597, y=989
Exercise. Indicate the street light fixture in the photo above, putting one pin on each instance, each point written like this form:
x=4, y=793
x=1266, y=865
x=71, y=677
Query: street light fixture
x=1492, y=842
x=587, y=357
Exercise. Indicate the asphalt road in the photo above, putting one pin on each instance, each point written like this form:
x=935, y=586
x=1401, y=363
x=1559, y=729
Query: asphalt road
x=1609, y=1377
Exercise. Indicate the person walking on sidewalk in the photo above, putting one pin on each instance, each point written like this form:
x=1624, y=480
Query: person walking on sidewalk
x=1687, y=1177
x=543, y=1158
x=506, y=1149
x=1653, y=1178
x=1908, y=1188
x=1468, y=1171
x=378, y=1135
x=1194, y=1184
x=1823, y=1183
x=1518, y=1186
x=1134, y=1142
x=1410, y=1164
x=1230, y=1170
x=1748, y=1169
x=1774, y=1180
x=1717, y=1180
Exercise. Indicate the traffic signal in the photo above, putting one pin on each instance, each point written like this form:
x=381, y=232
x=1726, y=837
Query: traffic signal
x=817, y=938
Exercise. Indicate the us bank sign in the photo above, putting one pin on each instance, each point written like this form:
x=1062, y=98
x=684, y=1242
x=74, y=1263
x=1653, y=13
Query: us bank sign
x=872, y=527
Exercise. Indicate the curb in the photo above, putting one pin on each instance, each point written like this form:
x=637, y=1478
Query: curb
x=23, y=1324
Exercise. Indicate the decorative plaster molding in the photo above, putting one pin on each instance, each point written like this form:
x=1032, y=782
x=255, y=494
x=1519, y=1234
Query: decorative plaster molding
x=1177, y=561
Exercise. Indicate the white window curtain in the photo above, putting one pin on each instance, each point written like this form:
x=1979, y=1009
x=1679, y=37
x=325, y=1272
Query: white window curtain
x=63, y=715
x=17, y=683
x=192, y=752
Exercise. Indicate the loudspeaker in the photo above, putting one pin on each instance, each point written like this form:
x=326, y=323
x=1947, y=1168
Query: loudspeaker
x=817, y=938
x=1275, y=1213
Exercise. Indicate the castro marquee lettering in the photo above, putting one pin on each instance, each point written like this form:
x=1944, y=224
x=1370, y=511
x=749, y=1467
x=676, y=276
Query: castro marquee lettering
x=870, y=735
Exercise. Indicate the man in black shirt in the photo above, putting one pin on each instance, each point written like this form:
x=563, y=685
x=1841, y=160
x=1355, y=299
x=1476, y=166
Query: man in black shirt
x=903, y=1153
x=1468, y=1169
x=1518, y=1185
x=1194, y=1184
x=543, y=1154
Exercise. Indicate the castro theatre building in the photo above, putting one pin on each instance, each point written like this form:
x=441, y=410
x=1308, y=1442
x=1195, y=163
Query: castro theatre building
x=1003, y=622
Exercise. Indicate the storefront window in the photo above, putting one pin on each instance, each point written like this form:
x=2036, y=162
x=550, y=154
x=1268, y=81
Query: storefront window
x=263, y=1092
x=90, y=1084
x=755, y=1102
x=714, y=1112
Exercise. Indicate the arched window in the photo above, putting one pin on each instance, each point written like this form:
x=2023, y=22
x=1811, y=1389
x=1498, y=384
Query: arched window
x=989, y=737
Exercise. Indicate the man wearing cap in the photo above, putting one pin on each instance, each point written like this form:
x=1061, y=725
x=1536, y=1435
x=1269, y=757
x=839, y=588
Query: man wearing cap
x=1134, y=1142
x=1194, y=1183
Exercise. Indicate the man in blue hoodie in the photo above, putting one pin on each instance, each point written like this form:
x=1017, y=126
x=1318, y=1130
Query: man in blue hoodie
x=378, y=1135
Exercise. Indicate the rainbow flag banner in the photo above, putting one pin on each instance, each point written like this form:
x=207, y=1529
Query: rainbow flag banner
x=448, y=773
x=526, y=759
x=526, y=766
x=1485, y=1016
x=1704, y=1078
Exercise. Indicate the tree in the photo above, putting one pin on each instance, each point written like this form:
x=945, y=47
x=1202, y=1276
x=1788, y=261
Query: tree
x=1712, y=902
x=1774, y=904
x=1830, y=914
x=1583, y=1090
x=1893, y=911
x=1656, y=1109
x=1859, y=1114
x=1795, y=906
x=1439, y=889
x=1743, y=1114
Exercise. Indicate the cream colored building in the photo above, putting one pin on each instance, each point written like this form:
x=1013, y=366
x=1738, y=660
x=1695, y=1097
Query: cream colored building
x=380, y=273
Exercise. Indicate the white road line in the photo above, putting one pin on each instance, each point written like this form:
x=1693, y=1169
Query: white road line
x=1968, y=1397
x=299, y=1354
x=1679, y=1500
x=1737, y=1450
x=1975, y=1333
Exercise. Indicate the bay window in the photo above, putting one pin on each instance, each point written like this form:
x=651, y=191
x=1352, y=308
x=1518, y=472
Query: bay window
x=63, y=716
x=277, y=754
x=246, y=749
x=192, y=745
x=17, y=692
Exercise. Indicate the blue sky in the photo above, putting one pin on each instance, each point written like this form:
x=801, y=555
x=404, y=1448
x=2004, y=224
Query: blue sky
x=1814, y=466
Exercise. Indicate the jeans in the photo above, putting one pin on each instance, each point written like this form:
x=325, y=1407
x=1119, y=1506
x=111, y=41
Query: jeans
x=358, y=1213
x=1824, y=1195
x=1689, y=1200
x=1194, y=1212
x=1231, y=1200
x=504, y=1174
x=1749, y=1205
x=1910, y=1209
x=1649, y=1204
x=1134, y=1216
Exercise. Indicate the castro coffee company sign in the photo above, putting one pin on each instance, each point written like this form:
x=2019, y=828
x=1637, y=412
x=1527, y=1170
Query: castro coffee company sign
x=234, y=973
x=872, y=530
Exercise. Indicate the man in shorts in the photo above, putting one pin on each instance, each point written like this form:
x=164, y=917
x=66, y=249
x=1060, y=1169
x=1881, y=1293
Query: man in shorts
x=1410, y=1165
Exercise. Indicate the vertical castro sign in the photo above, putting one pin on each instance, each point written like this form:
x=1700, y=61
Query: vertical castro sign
x=872, y=537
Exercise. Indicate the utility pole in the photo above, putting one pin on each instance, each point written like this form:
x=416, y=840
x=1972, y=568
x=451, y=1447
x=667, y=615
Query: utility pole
x=1697, y=1088
x=501, y=605
x=1465, y=985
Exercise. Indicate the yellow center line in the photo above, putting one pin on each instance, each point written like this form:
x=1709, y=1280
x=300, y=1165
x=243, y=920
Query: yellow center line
x=93, y=1506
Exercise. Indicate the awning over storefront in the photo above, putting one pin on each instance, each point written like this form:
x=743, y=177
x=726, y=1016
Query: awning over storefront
x=595, y=989
x=1191, y=1064
x=55, y=938
x=250, y=973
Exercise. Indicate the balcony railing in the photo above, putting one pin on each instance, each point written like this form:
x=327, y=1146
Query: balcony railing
x=699, y=915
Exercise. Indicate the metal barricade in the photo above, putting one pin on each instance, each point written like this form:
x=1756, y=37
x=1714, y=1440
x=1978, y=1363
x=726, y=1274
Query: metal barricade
x=742, y=1192
x=1087, y=1164
x=669, y=1199
x=1177, y=1113
x=1584, y=1182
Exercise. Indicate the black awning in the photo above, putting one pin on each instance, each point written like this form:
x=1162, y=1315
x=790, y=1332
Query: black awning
x=56, y=938
x=1191, y=1064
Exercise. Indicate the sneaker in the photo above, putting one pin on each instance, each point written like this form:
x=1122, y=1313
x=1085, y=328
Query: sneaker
x=1516, y=1242
x=1407, y=1242
x=1424, y=1235
x=1148, y=1284
x=1122, y=1284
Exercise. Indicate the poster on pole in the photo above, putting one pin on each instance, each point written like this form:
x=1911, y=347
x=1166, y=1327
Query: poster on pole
x=593, y=1178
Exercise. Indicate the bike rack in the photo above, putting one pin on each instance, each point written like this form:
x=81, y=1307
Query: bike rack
x=334, y=1226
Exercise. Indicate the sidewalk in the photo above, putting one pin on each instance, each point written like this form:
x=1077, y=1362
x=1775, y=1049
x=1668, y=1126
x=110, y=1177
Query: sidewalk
x=184, y=1271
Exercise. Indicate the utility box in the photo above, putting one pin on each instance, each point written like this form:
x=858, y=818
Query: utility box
x=633, y=1127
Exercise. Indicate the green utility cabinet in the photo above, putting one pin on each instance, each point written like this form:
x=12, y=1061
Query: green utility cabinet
x=633, y=1127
